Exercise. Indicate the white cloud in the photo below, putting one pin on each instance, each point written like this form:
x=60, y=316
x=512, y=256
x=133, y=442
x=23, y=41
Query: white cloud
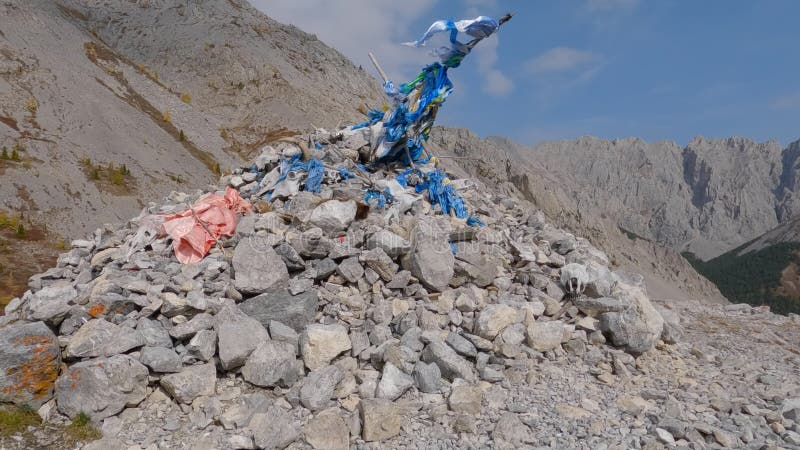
x=562, y=59
x=788, y=101
x=359, y=27
x=495, y=82
x=605, y=5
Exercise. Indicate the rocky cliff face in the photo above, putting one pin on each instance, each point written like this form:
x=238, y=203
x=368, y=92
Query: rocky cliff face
x=709, y=197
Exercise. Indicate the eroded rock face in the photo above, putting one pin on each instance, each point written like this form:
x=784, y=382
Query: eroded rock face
x=29, y=363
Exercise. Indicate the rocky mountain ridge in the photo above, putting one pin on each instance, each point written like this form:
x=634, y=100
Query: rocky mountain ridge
x=706, y=198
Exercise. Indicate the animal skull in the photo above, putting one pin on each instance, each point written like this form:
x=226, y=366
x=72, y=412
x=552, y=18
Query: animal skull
x=574, y=278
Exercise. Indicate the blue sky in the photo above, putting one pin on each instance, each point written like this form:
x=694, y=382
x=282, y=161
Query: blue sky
x=655, y=69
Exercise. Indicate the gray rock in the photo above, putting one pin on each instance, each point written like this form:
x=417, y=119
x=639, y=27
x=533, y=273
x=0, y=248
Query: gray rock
x=465, y=398
x=511, y=430
x=160, y=359
x=377, y=260
x=594, y=307
x=450, y=364
x=312, y=244
x=272, y=363
x=389, y=242
x=173, y=305
x=494, y=318
x=238, y=335
x=319, y=344
x=430, y=259
x=273, y=429
x=101, y=338
x=544, y=336
x=333, y=215
x=790, y=408
x=380, y=418
x=461, y=345
x=30, y=360
x=154, y=333
x=673, y=331
x=350, y=269
x=295, y=311
x=203, y=345
x=394, y=382
x=257, y=268
x=280, y=332
x=51, y=304
x=324, y=268
x=290, y=256
x=638, y=328
x=191, y=382
x=101, y=387
x=399, y=280
x=317, y=389
x=427, y=377
x=327, y=431
x=202, y=321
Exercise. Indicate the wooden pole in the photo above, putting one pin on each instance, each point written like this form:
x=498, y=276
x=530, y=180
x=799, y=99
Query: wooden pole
x=378, y=67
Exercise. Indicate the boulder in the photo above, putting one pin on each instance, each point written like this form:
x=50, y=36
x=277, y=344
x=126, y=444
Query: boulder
x=238, y=335
x=295, y=311
x=101, y=338
x=203, y=345
x=327, y=431
x=380, y=419
x=430, y=259
x=186, y=330
x=317, y=389
x=350, y=269
x=427, y=377
x=191, y=382
x=544, y=336
x=450, y=363
x=51, y=304
x=29, y=363
x=392, y=244
x=160, y=359
x=319, y=344
x=257, y=268
x=101, y=387
x=377, y=260
x=333, y=215
x=637, y=328
x=465, y=398
x=273, y=429
x=394, y=382
x=494, y=318
x=272, y=363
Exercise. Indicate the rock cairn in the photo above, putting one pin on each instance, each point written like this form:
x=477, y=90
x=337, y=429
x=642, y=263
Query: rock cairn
x=322, y=322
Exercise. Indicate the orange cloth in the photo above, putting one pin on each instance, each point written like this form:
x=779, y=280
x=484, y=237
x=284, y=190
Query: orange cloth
x=218, y=213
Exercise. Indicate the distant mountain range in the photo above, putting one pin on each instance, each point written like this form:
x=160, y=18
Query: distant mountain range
x=701, y=200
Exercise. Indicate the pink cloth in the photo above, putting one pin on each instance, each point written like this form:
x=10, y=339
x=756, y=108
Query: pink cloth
x=218, y=213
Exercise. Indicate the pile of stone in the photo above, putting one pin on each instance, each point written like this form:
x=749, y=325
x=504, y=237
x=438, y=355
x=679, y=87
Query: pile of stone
x=335, y=320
